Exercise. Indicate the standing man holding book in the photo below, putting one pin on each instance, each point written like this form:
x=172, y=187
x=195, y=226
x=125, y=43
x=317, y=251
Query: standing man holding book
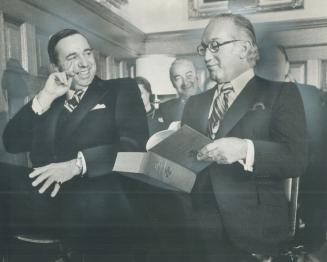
x=258, y=134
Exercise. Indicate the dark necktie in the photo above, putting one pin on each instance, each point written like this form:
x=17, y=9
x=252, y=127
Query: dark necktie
x=219, y=108
x=72, y=103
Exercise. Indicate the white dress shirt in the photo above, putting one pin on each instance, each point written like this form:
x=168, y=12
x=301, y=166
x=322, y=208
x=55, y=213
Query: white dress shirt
x=238, y=84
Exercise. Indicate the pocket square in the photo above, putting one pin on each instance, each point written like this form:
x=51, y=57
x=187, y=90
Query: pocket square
x=257, y=106
x=99, y=106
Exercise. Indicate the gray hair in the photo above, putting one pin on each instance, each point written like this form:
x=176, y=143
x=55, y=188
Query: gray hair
x=245, y=27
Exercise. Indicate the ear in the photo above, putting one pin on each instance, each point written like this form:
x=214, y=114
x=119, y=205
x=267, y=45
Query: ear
x=244, y=47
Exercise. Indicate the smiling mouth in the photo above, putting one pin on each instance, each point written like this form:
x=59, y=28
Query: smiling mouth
x=211, y=66
x=84, y=74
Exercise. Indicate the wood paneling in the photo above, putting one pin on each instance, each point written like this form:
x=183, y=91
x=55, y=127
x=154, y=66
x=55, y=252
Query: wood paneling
x=12, y=41
x=42, y=54
x=28, y=47
x=298, y=71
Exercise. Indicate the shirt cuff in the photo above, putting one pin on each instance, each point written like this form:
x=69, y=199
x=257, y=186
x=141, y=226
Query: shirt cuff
x=249, y=159
x=37, y=107
x=80, y=157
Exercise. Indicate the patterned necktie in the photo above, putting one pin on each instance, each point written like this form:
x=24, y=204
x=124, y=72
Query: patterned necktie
x=72, y=103
x=219, y=108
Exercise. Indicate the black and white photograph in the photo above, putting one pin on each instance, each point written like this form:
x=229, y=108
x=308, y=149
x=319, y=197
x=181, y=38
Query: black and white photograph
x=163, y=131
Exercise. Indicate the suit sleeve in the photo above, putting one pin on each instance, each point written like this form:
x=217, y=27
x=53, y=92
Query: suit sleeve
x=18, y=134
x=132, y=130
x=285, y=155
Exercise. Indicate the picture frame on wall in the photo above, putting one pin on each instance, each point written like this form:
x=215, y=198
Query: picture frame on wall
x=198, y=9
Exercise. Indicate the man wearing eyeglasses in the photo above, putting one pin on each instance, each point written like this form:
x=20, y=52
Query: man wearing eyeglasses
x=258, y=137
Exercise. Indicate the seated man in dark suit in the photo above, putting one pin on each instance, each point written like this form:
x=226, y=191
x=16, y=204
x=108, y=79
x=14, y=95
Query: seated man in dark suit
x=184, y=79
x=73, y=129
x=258, y=134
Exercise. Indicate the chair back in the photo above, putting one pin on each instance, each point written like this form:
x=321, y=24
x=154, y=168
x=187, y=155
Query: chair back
x=292, y=194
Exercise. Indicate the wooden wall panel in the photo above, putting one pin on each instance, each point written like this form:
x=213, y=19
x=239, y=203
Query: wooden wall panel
x=13, y=41
x=42, y=54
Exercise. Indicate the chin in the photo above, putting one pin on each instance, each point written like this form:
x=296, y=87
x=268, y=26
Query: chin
x=85, y=82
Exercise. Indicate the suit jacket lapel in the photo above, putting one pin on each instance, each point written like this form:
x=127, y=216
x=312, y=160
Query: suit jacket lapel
x=203, y=109
x=240, y=107
x=93, y=94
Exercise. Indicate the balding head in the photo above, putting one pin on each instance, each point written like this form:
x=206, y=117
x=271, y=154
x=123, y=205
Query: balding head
x=229, y=47
x=183, y=77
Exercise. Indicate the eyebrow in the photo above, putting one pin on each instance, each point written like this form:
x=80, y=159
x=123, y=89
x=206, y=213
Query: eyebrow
x=71, y=54
x=75, y=53
x=188, y=72
x=213, y=39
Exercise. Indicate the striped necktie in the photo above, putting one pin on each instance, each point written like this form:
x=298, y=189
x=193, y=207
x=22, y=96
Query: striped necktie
x=72, y=103
x=219, y=108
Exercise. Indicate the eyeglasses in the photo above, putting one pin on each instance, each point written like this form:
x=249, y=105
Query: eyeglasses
x=213, y=46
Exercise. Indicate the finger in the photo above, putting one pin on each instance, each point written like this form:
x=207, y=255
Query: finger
x=214, y=145
x=55, y=190
x=206, y=151
x=202, y=153
x=37, y=171
x=60, y=79
x=41, y=178
x=209, y=155
x=70, y=71
x=63, y=78
x=46, y=185
x=69, y=81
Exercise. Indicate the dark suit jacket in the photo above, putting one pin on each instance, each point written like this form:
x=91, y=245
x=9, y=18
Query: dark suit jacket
x=57, y=135
x=313, y=185
x=253, y=206
x=155, y=121
x=172, y=110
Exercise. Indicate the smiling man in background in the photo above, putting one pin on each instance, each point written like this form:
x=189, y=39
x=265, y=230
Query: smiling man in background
x=184, y=79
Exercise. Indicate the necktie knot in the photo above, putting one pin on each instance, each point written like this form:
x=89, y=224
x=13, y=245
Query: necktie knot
x=219, y=108
x=72, y=103
x=226, y=88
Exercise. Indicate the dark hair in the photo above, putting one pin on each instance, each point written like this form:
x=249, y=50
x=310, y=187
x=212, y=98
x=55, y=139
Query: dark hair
x=53, y=41
x=146, y=84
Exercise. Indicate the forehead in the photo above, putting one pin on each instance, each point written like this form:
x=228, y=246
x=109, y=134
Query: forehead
x=72, y=44
x=183, y=67
x=219, y=29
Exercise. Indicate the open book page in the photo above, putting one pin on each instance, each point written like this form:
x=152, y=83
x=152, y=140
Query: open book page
x=182, y=147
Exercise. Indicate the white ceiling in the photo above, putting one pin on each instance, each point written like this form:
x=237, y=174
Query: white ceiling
x=153, y=16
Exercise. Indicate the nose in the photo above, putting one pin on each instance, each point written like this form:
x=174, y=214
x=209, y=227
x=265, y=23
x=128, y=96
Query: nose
x=207, y=55
x=82, y=61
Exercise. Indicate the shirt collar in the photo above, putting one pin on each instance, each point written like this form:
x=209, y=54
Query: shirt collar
x=240, y=82
x=71, y=92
